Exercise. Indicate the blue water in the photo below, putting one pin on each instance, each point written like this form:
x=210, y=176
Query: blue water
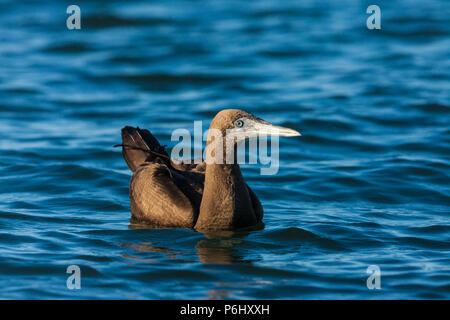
x=366, y=184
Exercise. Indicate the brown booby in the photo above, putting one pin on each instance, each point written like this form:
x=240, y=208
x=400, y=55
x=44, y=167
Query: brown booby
x=211, y=195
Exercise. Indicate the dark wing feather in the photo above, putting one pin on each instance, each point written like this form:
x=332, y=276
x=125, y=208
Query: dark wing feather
x=257, y=207
x=139, y=146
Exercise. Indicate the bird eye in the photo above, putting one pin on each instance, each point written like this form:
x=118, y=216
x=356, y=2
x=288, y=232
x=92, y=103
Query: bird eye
x=239, y=123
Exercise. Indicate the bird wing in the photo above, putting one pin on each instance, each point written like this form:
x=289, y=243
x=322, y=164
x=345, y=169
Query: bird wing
x=140, y=146
x=160, y=196
x=257, y=207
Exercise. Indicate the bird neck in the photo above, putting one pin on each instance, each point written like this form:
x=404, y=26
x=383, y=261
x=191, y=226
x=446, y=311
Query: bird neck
x=226, y=202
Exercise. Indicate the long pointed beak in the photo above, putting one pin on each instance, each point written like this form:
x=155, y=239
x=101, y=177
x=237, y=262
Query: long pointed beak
x=266, y=128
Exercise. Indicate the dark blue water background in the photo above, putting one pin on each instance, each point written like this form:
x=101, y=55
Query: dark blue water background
x=367, y=184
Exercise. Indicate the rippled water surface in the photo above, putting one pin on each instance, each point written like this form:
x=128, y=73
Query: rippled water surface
x=366, y=184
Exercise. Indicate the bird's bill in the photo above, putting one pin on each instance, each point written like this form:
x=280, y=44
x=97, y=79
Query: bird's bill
x=265, y=128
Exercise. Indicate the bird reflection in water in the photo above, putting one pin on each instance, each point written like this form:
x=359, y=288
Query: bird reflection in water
x=218, y=247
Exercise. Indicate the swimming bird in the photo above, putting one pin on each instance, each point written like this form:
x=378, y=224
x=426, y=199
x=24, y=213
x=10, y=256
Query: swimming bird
x=211, y=195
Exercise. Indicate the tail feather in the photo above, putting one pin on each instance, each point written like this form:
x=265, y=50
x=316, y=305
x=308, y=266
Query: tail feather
x=140, y=146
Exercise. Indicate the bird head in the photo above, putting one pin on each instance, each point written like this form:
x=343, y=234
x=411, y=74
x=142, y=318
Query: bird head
x=242, y=125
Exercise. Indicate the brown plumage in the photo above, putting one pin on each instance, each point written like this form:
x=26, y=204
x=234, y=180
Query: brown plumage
x=205, y=196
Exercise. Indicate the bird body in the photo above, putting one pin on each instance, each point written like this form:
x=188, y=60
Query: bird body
x=206, y=196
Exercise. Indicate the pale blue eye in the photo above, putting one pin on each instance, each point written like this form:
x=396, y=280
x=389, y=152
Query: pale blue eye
x=239, y=123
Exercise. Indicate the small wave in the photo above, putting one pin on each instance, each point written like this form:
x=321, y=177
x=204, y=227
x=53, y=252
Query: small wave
x=108, y=20
x=300, y=236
